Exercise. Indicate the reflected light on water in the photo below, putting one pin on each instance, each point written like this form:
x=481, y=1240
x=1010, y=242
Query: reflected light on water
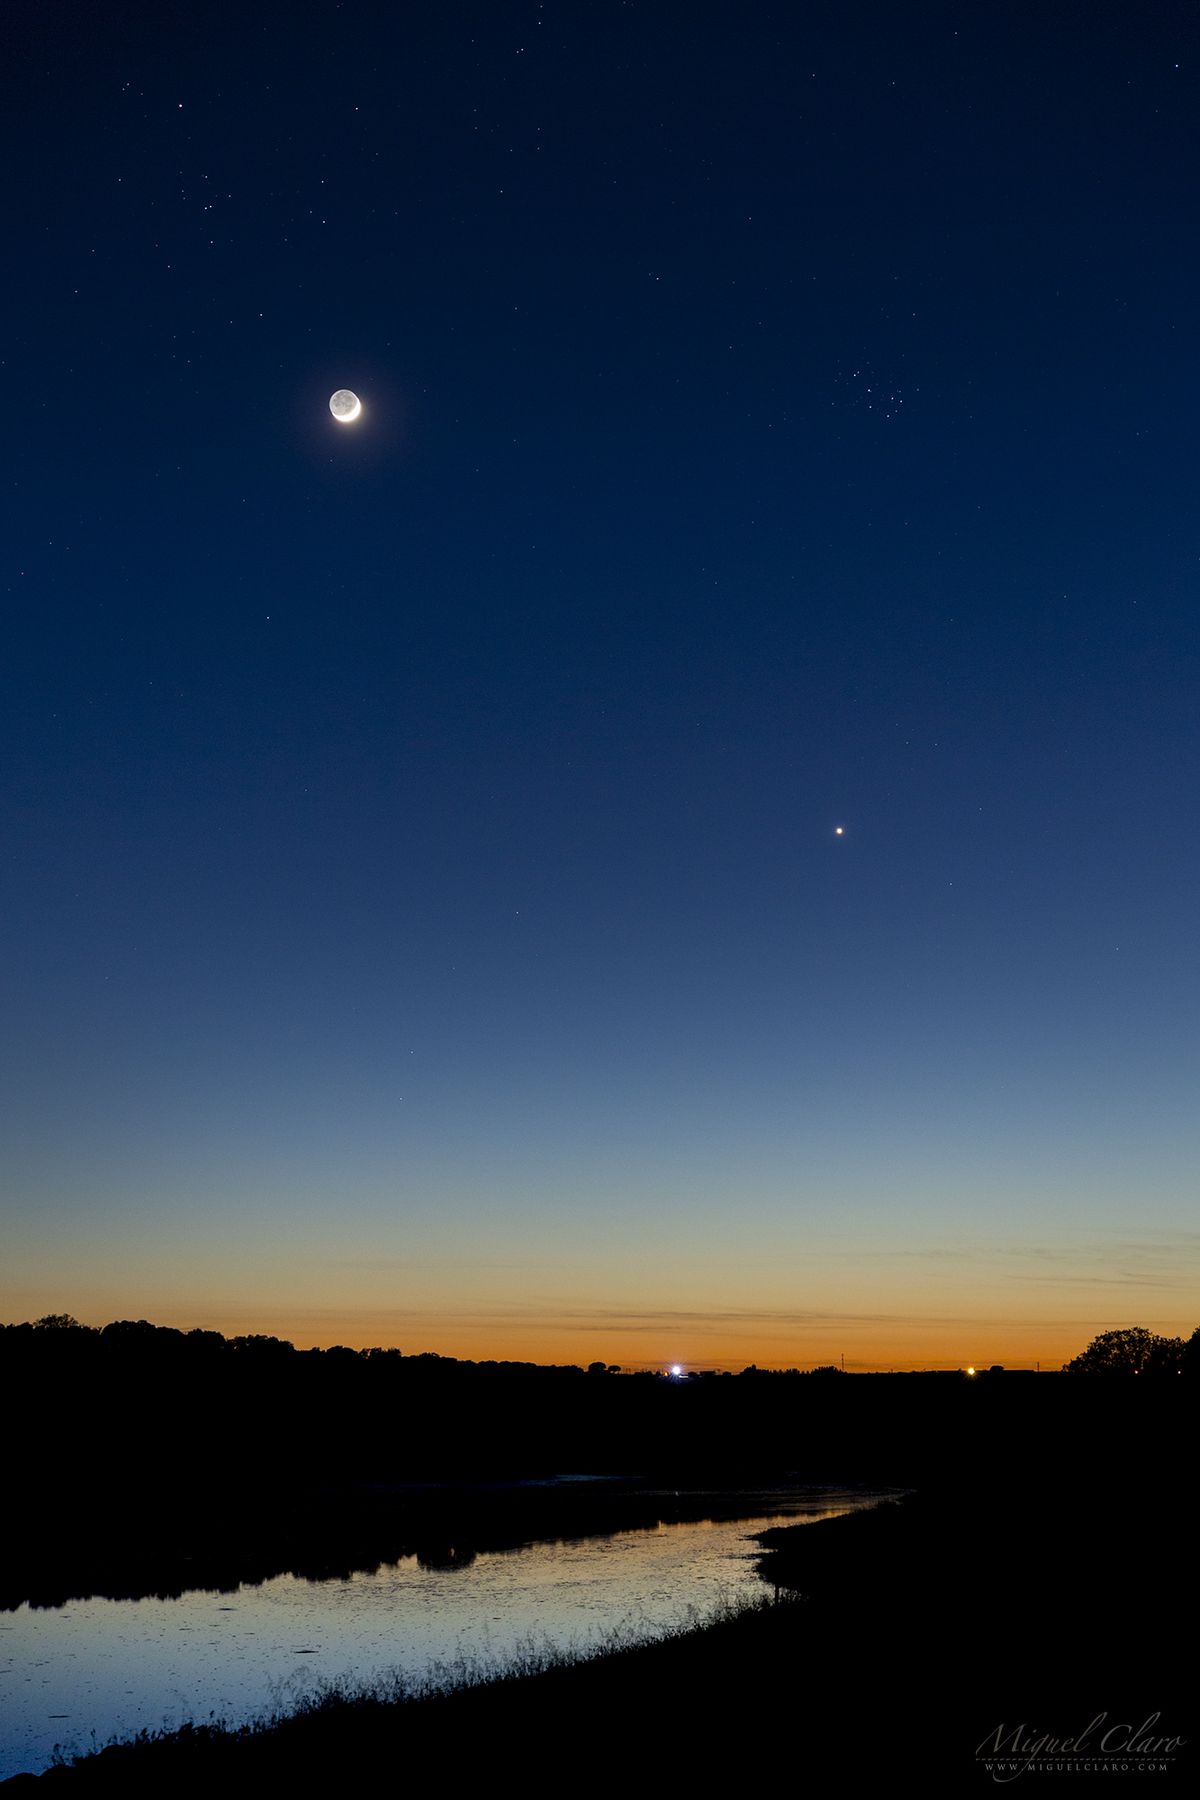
x=118, y=1666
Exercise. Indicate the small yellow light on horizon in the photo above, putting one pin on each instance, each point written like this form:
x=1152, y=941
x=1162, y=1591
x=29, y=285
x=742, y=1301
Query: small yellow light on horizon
x=970, y=1371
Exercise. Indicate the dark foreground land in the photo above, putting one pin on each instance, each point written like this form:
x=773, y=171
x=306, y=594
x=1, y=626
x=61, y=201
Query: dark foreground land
x=905, y=1646
x=1038, y=1583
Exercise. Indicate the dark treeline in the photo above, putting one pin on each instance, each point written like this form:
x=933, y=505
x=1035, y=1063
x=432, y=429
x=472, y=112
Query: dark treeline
x=147, y=1460
x=1136, y=1351
x=60, y=1342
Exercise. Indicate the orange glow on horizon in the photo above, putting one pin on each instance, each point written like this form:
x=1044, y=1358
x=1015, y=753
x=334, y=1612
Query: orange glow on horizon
x=916, y=1345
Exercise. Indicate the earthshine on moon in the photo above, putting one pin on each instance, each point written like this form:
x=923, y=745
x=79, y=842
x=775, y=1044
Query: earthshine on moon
x=345, y=406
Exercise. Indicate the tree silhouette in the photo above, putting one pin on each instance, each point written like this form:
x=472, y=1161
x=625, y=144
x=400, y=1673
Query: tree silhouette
x=1130, y=1351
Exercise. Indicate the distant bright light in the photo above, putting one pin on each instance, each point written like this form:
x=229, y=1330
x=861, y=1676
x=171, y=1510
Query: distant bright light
x=839, y=831
x=677, y=1368
x=970, y=1371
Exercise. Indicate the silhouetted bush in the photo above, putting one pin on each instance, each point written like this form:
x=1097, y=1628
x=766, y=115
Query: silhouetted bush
x=1131, y=1351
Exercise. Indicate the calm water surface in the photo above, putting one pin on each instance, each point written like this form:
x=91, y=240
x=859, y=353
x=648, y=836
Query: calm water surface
x=79, y=1674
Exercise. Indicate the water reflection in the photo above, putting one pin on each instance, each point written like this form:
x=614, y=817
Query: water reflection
x=116, y=1666
x=366, y=1530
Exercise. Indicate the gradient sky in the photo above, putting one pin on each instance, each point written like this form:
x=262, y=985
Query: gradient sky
x=423, y=919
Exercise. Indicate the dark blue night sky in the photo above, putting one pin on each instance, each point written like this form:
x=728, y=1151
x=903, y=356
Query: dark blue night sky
x=424, y=919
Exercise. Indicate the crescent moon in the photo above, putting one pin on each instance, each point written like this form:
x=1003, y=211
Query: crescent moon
x=345, y=406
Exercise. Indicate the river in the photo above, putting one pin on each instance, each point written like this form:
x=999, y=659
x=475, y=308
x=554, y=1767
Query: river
x=77, y=1675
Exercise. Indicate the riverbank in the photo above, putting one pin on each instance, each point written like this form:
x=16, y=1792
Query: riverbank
x=334, y=1531
x=220, y=1486
x=904, y=1640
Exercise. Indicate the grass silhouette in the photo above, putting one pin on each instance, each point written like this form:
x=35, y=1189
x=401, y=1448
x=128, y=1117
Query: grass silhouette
x=343, y=1721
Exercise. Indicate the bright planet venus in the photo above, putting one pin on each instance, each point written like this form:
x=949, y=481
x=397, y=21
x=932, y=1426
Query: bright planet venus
x=345, y=406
